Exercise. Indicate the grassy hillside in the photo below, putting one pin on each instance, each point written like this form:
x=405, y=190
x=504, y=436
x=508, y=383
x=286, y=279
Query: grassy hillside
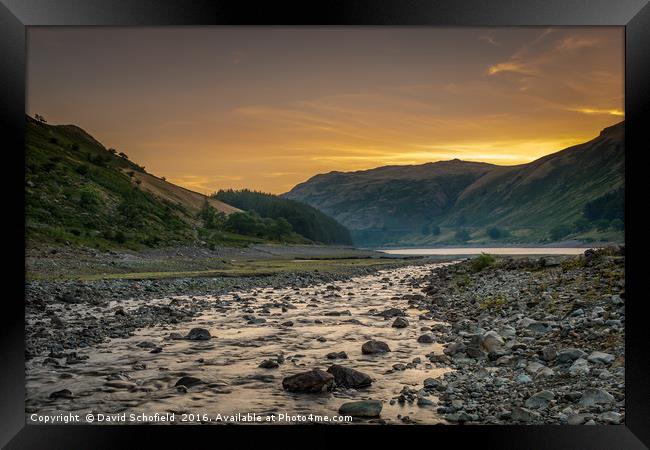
x=305, y=220
x=457, y=202
x=78, y=192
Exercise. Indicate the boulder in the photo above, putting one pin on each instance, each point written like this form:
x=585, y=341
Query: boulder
x=315, y=380
x=363, y=408
x=374, y=347
x=426, y=339
x=188, y=381
x=337, y=355
x=269, y=364
x=349, y=378
x=400, y=322
x=198, y=334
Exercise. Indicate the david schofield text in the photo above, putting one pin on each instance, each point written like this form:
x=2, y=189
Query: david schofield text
x=66, y=418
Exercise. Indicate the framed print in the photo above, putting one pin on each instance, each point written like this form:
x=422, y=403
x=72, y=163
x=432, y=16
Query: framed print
x=408, y=220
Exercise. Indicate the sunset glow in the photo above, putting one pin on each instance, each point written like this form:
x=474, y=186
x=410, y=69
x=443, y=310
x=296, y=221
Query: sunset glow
x=267, y=108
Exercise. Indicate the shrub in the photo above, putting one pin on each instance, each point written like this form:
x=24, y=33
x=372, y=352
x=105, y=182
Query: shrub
x=89, y=199
x=482, y=261
x=82, y=169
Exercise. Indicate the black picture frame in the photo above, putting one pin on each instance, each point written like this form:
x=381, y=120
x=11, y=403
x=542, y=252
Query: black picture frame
x=16, y=15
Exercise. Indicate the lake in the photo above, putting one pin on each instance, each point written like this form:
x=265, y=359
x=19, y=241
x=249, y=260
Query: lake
x=490, y=250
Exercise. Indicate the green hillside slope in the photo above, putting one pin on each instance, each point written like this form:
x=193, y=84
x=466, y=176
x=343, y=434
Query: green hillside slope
x=78, y=192
x=458, y=202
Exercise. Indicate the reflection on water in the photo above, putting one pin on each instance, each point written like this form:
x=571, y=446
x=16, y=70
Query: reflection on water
x=490, y=250
x=121, y=376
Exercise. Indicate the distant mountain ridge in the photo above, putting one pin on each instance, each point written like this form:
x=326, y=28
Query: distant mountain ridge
x=429, y=204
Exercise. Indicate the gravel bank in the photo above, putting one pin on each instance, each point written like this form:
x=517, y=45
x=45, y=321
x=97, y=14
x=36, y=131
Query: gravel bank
x=532, y=341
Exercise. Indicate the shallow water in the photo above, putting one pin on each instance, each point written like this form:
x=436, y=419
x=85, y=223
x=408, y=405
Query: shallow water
x=228, y=363
x=490, y=250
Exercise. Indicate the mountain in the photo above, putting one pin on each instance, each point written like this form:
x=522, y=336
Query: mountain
x=468, y=202
x=80, y=192
x=305, y=220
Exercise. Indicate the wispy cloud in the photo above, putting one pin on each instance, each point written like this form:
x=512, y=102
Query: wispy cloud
x=610, y=112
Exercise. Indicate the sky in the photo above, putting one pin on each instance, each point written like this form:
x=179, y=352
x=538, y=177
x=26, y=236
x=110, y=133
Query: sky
x=266, y=108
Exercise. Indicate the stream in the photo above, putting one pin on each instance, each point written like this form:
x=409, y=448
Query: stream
x=124, y=376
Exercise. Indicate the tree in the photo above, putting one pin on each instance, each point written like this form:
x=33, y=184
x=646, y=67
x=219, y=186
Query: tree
x=212, y=219
x=280, y=228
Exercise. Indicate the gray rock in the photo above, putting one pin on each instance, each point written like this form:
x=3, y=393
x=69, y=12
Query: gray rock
x=315, y=380
x=374, y=347
x=549, y=353
x=453, y=348
x=594, y=396
x=569, y=354
x=363, y=408
x=579, y=367
x=522, y=378
x=349, y=378
x=539, y=327
x=520, y=414
x=426, y=339
x=491, y=342
x=460, y=417
x=539, y=400
x=611, y=417
x=601, y=358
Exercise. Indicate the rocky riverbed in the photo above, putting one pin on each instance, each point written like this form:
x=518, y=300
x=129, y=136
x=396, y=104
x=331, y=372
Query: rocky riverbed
x=532, y=341
x=507, y=341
